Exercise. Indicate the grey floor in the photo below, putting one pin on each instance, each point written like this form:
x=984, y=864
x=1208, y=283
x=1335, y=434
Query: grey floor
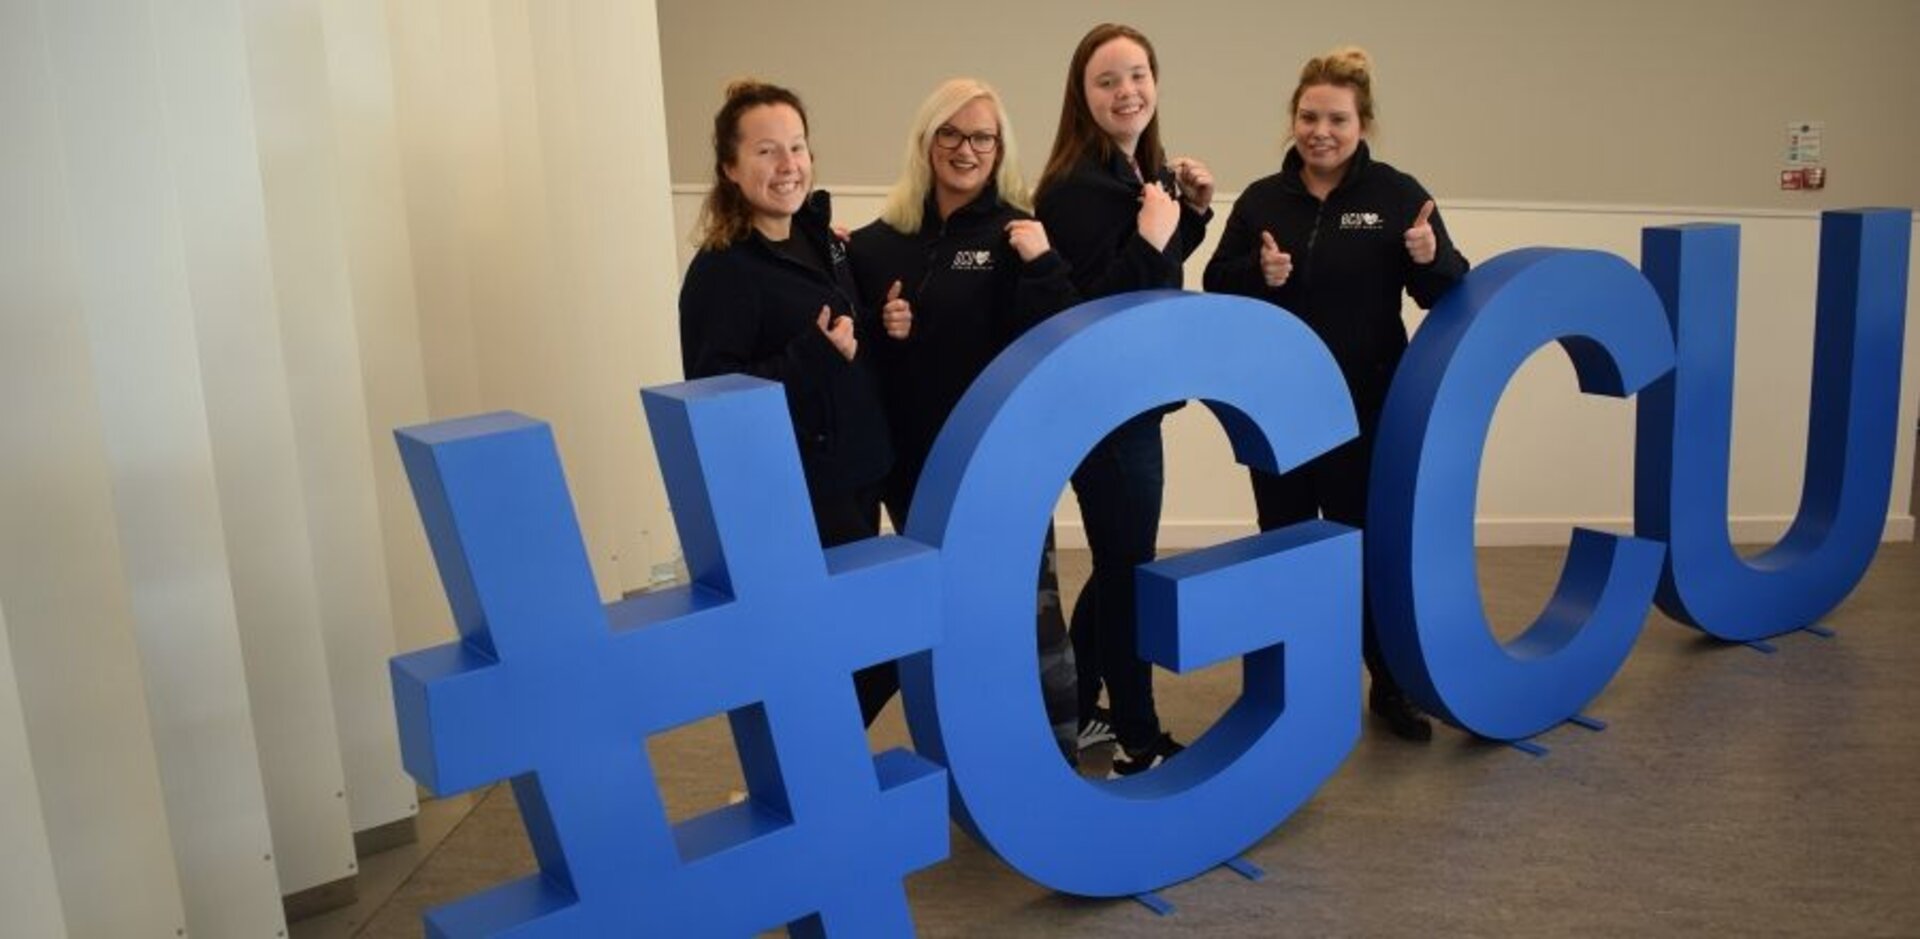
x=1734, y=794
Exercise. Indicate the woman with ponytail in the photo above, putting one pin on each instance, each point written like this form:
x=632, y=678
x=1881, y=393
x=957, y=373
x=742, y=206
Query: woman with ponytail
x=770, y=294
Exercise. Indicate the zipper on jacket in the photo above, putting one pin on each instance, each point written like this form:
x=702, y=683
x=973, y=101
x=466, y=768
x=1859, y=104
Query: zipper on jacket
x=933, y=254
x=832, y=282
x=1313, y=238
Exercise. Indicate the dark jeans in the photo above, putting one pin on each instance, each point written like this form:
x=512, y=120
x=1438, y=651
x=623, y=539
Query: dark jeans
x=1058, y=678
x=840, y=518
x=1119, y=486
x=1332, y=486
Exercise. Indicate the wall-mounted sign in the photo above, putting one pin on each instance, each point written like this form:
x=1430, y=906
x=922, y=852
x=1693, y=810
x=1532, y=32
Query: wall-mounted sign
x=1804, y=169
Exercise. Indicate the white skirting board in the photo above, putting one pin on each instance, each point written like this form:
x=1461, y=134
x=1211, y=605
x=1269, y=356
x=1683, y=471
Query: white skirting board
x=1488, y=533
x=29, y=894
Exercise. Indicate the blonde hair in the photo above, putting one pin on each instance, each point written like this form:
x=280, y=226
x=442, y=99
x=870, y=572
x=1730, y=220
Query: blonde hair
x=1343, y=67
x=906, y=201
x=725, y=216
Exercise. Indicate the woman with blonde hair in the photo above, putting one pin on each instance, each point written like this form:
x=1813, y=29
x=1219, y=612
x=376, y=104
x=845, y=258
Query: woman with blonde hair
x=958, y=270
x=1335, y=237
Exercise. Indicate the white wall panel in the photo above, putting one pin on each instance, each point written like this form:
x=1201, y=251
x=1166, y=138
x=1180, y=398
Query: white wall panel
x=135, y=299
x=538, y=202
x=292, y=101
x=203, y=70
x=434, y=92
x=597, y=69
x=29, y=895
x=373, y=218
x=71, y=626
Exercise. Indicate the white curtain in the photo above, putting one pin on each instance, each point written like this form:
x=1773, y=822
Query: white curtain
x=240, y=242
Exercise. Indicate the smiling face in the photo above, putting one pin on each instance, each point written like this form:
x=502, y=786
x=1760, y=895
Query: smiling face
x=771, y=163
x=1120, y=91
x=1327, y=128
x=962, y=172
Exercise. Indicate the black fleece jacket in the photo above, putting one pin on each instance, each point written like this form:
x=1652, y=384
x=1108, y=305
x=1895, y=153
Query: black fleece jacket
x=752, y=309
x=1350, y=262
x=1092, y=219
x=971, y=296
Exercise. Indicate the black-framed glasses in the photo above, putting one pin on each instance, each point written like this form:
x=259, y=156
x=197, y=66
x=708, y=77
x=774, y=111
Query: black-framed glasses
x=950, y=137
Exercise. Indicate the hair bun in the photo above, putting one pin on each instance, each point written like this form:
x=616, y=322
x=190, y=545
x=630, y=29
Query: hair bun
x=1351, y=59
x=741, y=87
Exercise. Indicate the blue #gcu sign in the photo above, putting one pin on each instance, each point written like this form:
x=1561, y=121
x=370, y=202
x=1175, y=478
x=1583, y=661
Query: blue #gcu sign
x=558, y=693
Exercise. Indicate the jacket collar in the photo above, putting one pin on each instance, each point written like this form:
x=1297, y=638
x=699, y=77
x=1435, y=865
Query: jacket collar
x=1293, y=166
x=982, y=205
x=815, y=216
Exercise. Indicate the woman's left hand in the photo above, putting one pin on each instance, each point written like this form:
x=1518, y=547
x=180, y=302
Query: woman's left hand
x=1420, y=241
x=1196, y=182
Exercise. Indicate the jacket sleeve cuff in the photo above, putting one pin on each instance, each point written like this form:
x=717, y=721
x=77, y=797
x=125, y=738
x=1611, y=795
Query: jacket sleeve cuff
x=1046, y=265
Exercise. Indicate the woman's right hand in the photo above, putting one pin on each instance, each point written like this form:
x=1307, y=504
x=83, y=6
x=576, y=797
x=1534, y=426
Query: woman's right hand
x=1159, y=216
x=838, y=331
x=1275, y=265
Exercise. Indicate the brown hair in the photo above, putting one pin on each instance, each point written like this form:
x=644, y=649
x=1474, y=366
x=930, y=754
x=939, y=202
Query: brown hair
x=725, y=216
x=1078, y=135
x=1344, y=67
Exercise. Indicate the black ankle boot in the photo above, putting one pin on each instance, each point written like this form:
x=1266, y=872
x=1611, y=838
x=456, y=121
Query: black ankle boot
x=1401, y=716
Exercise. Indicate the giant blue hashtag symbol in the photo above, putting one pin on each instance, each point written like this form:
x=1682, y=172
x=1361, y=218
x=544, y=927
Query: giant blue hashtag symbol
x=552, y=690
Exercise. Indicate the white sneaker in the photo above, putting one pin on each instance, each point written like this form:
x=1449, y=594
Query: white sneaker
x=1097, y=730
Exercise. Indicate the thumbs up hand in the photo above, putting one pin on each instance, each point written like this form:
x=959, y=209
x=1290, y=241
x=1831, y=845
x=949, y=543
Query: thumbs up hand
x=1420, y=242
x=1275, y=265
x=896, y=316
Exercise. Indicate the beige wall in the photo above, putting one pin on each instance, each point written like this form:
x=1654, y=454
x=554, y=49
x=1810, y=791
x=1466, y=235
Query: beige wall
x=1535, y=123
x=1640, y=102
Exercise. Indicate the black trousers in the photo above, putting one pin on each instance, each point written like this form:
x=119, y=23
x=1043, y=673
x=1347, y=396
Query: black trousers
x=1332, y=486
x=1058, y=688
x=1120, y=486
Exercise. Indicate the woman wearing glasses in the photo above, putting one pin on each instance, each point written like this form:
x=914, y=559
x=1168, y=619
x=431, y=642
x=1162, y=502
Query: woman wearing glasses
x=958, y=269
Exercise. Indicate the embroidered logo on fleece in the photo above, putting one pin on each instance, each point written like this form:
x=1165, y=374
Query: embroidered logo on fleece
x=973, y=261
x=1361, y=221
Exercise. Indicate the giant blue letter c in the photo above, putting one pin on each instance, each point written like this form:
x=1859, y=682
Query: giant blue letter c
x=1420, y=563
